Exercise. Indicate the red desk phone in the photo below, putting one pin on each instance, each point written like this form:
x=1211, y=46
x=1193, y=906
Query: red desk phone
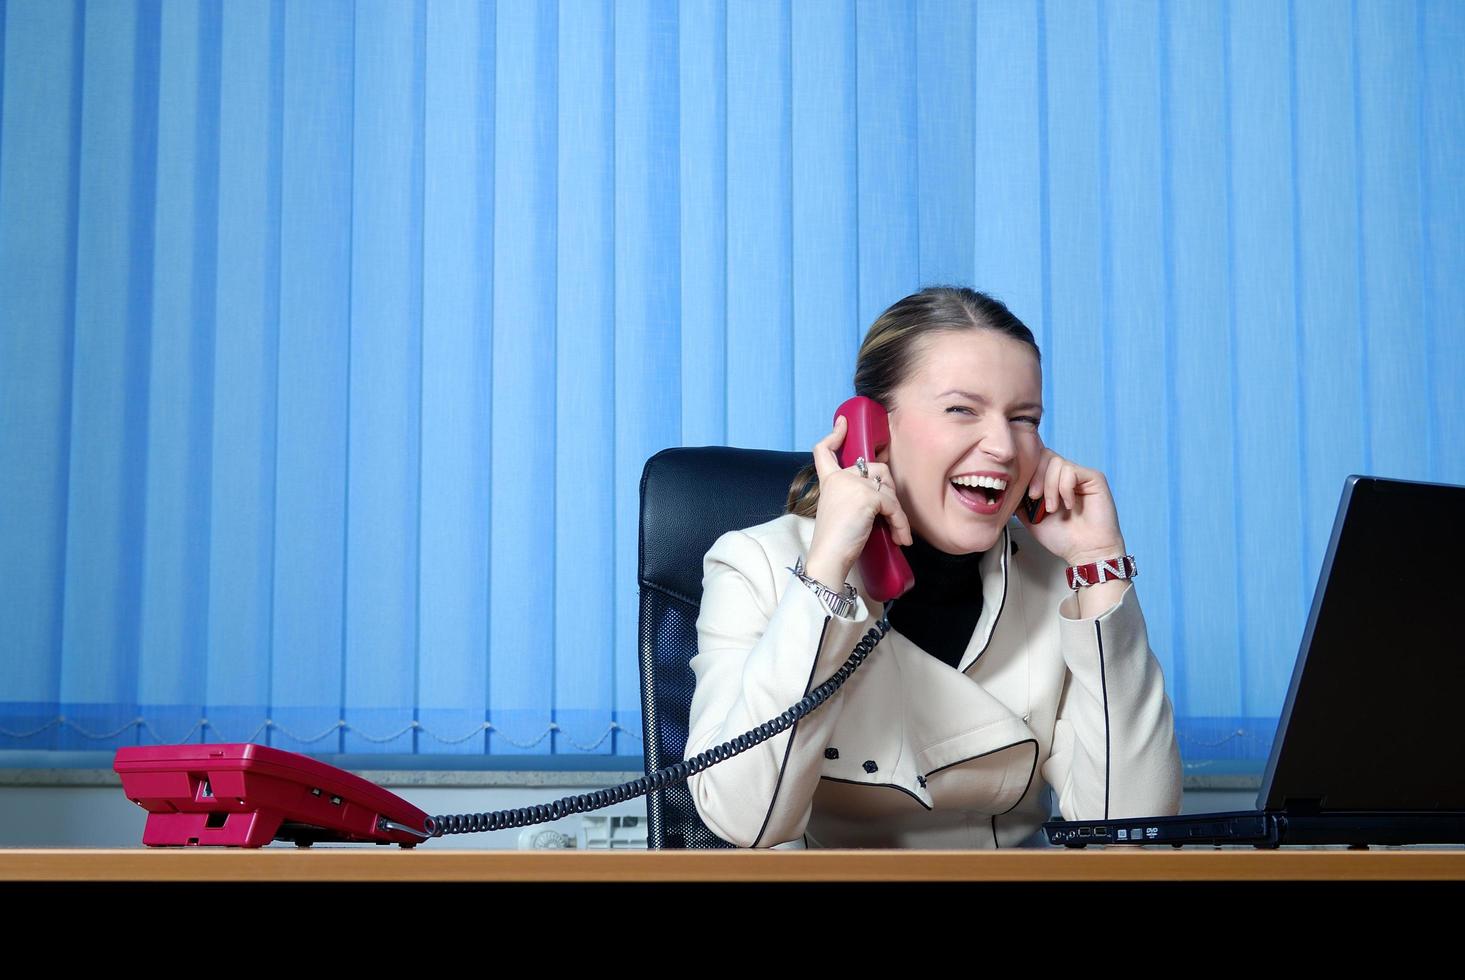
x=244, y=795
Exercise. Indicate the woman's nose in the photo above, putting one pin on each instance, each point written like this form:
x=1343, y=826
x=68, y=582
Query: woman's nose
x=998, y=443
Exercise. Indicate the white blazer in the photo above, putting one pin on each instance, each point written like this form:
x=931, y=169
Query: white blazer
x=911, y=752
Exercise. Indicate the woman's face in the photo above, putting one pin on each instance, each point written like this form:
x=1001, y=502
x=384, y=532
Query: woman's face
x=970, y=408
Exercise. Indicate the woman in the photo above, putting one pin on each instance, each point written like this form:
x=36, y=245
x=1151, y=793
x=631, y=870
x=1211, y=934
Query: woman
x=996, y=683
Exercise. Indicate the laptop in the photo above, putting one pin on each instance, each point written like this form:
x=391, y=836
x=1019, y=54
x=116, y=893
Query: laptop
x=1370, y=746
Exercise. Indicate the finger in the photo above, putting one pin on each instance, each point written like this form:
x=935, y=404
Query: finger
x=887, y=502
x=826, y=456
x=900, y=525
x=1091, y=480
x=1050, y=483
x=1066, y=482
x=881, y=470
x=1035, y=484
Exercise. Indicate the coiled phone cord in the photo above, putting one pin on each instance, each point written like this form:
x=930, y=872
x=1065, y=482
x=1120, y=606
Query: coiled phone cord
x=473, y=823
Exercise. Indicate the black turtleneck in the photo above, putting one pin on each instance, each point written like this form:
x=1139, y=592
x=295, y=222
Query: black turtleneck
x=940, y=612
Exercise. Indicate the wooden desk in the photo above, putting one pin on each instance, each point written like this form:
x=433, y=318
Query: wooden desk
x=578, y=907
x=428, y=865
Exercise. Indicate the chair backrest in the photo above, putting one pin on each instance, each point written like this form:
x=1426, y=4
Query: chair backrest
x=689, y=498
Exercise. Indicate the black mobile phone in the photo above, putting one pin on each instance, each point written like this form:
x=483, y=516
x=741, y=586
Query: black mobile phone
x=1032, y=508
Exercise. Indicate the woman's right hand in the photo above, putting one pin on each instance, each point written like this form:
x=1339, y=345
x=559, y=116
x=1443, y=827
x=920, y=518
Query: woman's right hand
x=848, y=506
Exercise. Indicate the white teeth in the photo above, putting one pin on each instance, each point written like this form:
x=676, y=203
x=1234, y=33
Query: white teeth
x=990, y=482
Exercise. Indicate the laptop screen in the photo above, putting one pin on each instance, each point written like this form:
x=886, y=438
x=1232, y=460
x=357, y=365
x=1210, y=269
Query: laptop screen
x=1374, y=718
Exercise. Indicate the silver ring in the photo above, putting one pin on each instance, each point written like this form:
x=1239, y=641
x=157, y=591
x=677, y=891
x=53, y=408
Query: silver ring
x=877, y=483
x=860, y=465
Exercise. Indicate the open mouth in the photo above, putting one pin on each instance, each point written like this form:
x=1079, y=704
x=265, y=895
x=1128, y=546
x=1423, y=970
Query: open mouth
x=981, y=493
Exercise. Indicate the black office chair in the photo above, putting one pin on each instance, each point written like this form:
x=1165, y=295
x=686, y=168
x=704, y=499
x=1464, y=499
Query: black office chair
x=689, y=498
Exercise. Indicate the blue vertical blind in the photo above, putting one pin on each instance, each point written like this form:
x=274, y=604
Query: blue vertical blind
x=334, y=335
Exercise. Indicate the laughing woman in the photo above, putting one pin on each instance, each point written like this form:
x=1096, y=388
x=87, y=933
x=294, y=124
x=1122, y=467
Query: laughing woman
x=1003, y=676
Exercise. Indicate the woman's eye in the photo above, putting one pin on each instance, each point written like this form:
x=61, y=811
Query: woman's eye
x=1029, y=419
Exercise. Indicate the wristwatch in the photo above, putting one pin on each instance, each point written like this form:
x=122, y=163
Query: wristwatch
x=841, y=604
x=1098, y=572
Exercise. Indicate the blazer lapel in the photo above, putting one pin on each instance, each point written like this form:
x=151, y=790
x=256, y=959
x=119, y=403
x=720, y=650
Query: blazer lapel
x=994, y=596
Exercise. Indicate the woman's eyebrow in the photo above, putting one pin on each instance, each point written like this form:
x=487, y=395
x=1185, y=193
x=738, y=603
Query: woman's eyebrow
x=983, y=400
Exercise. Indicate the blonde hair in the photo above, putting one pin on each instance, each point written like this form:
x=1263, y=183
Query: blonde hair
x=890, y=348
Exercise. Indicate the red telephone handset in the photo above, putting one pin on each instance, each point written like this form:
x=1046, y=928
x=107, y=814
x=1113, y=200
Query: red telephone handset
x=882, y=566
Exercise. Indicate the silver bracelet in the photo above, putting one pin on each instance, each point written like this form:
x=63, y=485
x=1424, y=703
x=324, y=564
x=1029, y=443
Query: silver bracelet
x=841, y=604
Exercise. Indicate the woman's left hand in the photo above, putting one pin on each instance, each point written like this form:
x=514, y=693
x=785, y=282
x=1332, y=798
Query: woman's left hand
x=1082, y=524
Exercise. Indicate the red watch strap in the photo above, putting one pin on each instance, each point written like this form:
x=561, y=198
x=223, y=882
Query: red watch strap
x=1097, y=572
